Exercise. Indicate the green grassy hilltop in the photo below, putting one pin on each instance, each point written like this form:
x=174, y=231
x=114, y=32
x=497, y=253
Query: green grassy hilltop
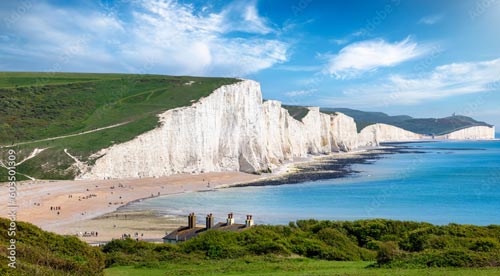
x=36, y=107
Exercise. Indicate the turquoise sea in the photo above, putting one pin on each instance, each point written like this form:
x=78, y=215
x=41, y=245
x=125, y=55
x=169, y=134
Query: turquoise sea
x=439, y=182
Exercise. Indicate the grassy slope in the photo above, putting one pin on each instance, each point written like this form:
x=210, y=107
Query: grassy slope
x=41, y=253
x=289, y=267
x=423, y=126
x=35, y=106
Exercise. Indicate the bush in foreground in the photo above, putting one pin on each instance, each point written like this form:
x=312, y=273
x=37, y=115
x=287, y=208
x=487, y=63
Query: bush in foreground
x=43, y=253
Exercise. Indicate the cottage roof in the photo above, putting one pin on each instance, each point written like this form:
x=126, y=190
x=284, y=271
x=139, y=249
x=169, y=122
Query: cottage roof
x=184, y=233
x=232, y=227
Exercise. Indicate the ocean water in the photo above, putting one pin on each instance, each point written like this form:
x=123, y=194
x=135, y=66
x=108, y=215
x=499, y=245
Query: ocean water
x=438, y=182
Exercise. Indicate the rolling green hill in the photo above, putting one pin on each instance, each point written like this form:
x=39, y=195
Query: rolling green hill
x=428, y=126
x=440, y=125
x=37, y=108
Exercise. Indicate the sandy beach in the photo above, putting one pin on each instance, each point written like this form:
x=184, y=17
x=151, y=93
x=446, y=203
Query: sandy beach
x=70, y=207
x=77, y=206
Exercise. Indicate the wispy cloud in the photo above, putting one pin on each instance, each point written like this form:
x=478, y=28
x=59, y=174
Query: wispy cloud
x=431, y=19
x=299, y=68
x=244, y=16
x=164, y=36
x=346, y=39
x=297, y=93
x=364, y=56
x=443, y=81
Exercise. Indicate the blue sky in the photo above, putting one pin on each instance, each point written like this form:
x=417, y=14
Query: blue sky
x=421, y=58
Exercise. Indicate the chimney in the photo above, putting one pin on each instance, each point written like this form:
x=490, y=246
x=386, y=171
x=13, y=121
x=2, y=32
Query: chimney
x=230, y=219
x=209, y=221
x=249, y=221
x=191, y=221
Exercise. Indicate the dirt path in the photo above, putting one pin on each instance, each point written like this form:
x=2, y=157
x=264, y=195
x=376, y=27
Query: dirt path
x=66, y=136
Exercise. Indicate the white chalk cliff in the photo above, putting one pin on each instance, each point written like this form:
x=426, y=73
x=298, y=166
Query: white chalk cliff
x=471, y=133
x=375, y=134
x=232, y=129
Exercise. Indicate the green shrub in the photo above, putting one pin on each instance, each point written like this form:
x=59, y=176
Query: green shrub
x=455, y=258
x=344, y=248
x=307, y=247
x=485, y=245
x=387, y=252
x=439, y=242
x=390, y=243
x=416, y=240
x=215, y=244
x=131, y=252
x=268, y=247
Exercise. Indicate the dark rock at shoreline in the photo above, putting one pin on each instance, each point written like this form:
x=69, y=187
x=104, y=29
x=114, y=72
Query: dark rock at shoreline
x=330, y=167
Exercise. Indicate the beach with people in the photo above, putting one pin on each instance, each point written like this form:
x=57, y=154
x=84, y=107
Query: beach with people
x=93, y=210
x=88, y=208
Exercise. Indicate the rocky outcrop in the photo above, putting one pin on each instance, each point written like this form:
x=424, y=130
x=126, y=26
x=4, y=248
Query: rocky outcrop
x=373, y=135
x=471, y=133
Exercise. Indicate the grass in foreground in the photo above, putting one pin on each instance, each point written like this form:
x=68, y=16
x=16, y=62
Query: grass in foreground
x=284, y=266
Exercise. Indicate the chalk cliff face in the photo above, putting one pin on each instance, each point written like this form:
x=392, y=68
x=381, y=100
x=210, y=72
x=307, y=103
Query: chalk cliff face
x=317, y=133
x=372, y=135
x=219, y=132
x=344, y=132
x=471, y=133
x=232, y=129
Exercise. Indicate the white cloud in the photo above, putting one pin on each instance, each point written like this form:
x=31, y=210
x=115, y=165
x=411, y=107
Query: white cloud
x=361, y=57
x=243, y=16
x=431, y=19
x=443, y=81
x=298, y=68
x=162, y=36
x=190, y=43
x=346, y=39
x=298, y=93
x=340, y=41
